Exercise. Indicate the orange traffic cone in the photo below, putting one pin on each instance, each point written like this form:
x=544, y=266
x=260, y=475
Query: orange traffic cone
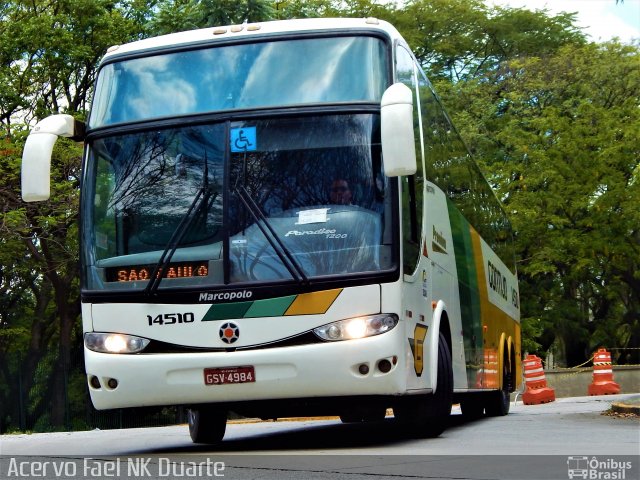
x=537, y=390
x=603, y=383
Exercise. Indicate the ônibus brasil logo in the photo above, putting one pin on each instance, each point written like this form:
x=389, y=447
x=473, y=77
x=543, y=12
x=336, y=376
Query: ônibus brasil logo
x=595, y=468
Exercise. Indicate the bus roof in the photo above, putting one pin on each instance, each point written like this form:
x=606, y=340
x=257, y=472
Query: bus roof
x=246, y=30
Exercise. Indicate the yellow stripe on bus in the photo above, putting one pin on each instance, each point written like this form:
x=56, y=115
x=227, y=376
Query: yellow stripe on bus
x=313, y=303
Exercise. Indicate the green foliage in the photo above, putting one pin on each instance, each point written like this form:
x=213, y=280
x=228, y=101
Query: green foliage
x=180, y=15
x=49, y=56
x=300, y=9
x=564, y=155
x=532, y=329
x=462, y=39
x=50, y=51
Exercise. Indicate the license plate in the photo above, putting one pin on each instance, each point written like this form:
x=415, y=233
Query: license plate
x=223, y=376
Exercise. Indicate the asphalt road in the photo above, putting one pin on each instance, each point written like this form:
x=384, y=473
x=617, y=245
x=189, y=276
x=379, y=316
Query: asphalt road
x=532, y=442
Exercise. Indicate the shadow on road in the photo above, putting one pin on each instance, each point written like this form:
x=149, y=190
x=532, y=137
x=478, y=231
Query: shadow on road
x=313, y=437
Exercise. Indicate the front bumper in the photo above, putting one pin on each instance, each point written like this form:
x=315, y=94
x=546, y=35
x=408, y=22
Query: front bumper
x=330, y=369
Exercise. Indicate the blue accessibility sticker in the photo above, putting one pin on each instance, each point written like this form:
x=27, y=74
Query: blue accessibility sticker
x=243, y=139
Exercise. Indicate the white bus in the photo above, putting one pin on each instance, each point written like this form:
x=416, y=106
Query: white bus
x=279, y=219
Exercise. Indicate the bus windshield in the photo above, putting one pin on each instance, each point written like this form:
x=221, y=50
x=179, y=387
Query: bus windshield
x=280, y=199
x=242, y=76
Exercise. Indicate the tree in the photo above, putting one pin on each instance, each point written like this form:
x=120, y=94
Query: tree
x=48, y=61
x=564, y=156
x=180, y=15
x=461, y=39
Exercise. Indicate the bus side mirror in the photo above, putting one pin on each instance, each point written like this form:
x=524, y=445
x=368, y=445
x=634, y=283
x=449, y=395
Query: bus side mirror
x=396, y=126
x=36, y=156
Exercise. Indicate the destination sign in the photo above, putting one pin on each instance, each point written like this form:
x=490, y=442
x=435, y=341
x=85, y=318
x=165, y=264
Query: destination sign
x=134, y=273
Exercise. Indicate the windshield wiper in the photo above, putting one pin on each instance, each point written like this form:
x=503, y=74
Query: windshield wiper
x=288, y=260
x=201, y=198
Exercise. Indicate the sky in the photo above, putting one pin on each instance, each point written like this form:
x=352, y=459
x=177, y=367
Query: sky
x=602, y=19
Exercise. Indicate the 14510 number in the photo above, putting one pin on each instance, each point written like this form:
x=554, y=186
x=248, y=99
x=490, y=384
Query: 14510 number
x=170, y=318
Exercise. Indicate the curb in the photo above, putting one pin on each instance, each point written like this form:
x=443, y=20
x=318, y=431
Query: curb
x=628, y=405
x=625, y=408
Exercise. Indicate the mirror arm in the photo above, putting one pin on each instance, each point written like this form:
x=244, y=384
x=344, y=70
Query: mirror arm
x=79, y=131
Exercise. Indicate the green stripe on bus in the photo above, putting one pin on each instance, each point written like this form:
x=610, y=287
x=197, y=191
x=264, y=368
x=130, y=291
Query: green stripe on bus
x=468, y=288
x=307, y=304
x=270, y=308
x=225, y=311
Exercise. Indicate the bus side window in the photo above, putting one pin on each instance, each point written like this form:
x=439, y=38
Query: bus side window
x=413, y=185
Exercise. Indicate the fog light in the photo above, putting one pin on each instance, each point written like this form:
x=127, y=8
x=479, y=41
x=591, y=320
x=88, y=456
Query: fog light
x=94, y=382
x=112, y=383
x=384, y=365
x=363, y=369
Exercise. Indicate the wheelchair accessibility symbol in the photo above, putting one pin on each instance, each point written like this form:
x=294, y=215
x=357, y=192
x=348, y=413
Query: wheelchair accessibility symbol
x=243, y=139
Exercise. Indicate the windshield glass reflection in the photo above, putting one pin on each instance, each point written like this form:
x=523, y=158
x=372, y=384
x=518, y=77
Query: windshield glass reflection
x=321, y=191
x=304, y=71
x=304, y=198
x=146, y=182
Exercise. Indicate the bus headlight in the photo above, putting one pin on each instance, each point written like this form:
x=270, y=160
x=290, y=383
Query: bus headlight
x=114, y=343
x=358, y=327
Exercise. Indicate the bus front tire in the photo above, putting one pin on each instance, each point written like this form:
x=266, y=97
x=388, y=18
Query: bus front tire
x=427, y=415
x=207, y=425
